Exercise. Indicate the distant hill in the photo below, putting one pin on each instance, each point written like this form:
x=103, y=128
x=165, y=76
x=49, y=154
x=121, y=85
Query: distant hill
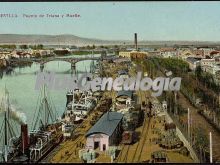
x=80, y=41
x=52, y=40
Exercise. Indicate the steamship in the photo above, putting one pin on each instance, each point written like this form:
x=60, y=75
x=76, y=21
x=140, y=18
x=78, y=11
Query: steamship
x=12, y=146
x=79, y=105
x=45, y=135
x=46, y=132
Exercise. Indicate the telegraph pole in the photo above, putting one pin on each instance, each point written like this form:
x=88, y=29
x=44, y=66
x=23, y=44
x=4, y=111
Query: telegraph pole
x=188, y=124
x=175, y=107
x=210, y=146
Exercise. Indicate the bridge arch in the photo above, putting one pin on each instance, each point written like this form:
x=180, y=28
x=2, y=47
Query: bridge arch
x=73, y=61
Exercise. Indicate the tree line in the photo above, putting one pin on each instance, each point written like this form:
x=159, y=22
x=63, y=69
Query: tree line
x=24, y=46
x=180, y=68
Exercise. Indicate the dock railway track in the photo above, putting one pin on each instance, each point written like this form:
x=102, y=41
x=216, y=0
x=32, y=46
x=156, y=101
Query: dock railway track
x=132, y=153
x=123, y=156
x=198, y=118
x=141, y=143
x=68, y=151
x=51, y=154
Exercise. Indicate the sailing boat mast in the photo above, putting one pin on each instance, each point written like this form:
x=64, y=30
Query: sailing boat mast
x=6, y=126
x=6, y=137
x=45, y=106
x=7, y=129
x=45, y=114
x=73, y=101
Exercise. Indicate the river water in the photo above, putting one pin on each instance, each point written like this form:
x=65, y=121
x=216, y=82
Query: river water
x=21, y=86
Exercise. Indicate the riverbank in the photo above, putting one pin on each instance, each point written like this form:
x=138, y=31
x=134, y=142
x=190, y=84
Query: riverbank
x=3, y=63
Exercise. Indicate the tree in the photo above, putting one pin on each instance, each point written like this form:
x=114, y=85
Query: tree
x=116, y=46
x=36, y=47
x=23, y=46
x=37, y=55
x=88, y=47
x=40, y=46
x=8, y=46
x=32, y=47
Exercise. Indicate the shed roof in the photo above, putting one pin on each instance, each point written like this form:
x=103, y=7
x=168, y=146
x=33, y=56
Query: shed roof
x=192, y=59
x=124, y=93
x=106, y=124
x=122, y=72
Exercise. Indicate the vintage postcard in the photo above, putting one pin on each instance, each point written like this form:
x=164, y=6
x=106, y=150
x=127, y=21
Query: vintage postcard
x=110, y=82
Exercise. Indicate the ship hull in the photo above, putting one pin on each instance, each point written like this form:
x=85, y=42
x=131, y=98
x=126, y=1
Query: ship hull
x=48, y=148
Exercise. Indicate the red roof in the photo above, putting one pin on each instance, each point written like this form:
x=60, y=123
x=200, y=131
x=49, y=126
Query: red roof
x=214, y=52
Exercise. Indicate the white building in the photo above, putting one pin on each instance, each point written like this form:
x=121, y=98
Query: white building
x=207, y=51
x=207, y=63
x=45, y=52
x=193, y=62
x=106, y=132
x=214, y=69
x=168, y=54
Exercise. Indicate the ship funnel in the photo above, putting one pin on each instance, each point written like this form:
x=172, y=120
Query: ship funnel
x=69, y=97
x=24, y=137
x=135, y=41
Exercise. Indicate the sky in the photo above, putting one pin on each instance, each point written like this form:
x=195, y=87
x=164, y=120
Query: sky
x=186, y=21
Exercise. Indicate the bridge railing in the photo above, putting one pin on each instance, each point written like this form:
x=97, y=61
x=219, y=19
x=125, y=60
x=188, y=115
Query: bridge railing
x=70, y=59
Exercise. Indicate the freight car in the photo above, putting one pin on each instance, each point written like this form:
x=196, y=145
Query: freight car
x=128, y=137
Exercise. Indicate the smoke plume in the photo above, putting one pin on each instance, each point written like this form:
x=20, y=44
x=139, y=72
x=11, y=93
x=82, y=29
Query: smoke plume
x=15, y=114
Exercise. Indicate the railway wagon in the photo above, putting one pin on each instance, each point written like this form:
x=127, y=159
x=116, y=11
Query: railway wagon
x=128, y=137
x=170, y=126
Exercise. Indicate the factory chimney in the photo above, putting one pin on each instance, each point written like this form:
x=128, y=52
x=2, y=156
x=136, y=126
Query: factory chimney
x=135, y=41
x=24, y=137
